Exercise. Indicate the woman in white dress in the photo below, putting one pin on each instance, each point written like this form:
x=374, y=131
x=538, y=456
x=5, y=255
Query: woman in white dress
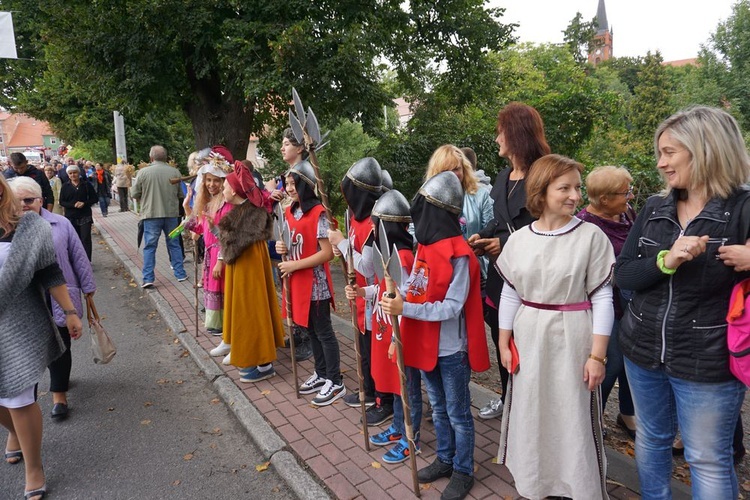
x=558, y=308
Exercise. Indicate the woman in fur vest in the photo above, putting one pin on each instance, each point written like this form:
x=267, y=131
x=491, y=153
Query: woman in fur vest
x=252, y=322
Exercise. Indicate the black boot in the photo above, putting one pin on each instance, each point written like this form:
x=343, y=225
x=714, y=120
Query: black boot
x=458, y=487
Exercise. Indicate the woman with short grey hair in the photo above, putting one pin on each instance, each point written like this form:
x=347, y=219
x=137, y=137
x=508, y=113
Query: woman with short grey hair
x=79, y=277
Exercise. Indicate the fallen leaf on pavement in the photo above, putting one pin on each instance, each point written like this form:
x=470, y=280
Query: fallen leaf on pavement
x=111, y=408
x=176, y=483
x=133, y=285
x=425, y=486
x=265, y=393
x=189, y=456
x=148, y=403
x=178, y=382
x=162, y=381
x=376, y=465
x=145, y=422
x=262, y=467
x=215, y=401
x=494, y=460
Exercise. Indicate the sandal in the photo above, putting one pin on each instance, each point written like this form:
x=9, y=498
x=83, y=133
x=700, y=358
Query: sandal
x=13, y=457
x=39, y=492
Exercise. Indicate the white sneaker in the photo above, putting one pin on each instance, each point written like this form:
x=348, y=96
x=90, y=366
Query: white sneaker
x=329, y=393
x=220, y=350
x=312, y=384
x=225, y=361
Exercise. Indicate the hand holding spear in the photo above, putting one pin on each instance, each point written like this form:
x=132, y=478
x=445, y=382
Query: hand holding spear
x=390, y=266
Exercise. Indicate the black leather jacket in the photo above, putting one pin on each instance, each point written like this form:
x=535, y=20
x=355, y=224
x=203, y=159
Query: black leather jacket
x=679, y=321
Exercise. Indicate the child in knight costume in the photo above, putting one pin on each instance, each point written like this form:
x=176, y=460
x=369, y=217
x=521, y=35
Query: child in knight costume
x=252, y=323
x=442, y=327
x=310, y=282
x=391, y=215
x=361, y=187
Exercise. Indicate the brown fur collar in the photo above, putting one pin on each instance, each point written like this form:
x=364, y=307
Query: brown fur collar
x=244, y=225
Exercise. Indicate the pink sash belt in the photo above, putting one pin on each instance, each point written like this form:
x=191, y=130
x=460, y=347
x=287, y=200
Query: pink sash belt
x=578, y=306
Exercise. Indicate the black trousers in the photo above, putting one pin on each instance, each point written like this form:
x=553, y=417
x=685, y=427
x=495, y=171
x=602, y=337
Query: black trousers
x=364, y=349
x=83, y=230
x=490, y=317
x=122, y=193
x=325, y=346
x=59, y=369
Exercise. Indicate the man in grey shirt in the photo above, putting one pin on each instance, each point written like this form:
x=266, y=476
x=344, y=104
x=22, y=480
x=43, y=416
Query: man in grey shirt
x=160, y=207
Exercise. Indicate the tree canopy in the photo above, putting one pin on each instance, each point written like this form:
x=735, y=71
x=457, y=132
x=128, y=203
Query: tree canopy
x=229, y=65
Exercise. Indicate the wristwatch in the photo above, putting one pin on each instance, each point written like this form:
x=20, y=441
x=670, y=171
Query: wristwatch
x=70, y=312
x=597, y=358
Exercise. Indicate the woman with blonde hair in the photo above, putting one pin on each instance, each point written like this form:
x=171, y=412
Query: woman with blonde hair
x=29, y=341
x=609, y=192
x=477, y=209
x=679, y=260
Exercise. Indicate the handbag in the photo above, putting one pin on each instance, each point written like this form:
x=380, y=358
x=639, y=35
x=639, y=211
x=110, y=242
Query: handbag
x=101, y=345
x=738, y=331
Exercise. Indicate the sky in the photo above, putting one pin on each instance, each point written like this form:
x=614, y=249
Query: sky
x=675, y=27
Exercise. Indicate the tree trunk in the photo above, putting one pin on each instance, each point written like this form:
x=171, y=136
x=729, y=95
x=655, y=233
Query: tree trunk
x=218, y=117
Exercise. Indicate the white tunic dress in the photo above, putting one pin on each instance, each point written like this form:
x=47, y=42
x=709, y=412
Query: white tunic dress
x=551, y=434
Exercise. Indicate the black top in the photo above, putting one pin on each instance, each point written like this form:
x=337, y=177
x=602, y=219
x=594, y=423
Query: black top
x=70, y=194
x=40, y=178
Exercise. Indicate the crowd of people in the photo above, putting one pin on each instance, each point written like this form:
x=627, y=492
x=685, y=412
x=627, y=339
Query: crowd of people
x=576, y=298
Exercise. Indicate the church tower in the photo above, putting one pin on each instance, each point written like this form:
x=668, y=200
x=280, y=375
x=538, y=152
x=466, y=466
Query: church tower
x=602, y=49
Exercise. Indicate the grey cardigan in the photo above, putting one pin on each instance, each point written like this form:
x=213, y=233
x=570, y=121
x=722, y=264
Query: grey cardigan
x=29, y=340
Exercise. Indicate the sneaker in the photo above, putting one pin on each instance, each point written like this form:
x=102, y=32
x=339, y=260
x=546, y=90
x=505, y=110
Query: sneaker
x=255, y=375
x=312, y=384
x=215, y=332
x=434, y=471
x=182, y=279
x=493, y=409
x=459, y=486
x=400, y=452
x=226, y=360
x=220, y=350
x=303, y=351
x=388, y=436
x=378, y=414
x=147, y=284
x=329, y=393
x=353, y=400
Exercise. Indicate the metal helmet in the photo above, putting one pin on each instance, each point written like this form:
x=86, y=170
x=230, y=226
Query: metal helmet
x=366, y=174
x=306, y=172
x=444, y=191
x=387, y=182
x=392, y=207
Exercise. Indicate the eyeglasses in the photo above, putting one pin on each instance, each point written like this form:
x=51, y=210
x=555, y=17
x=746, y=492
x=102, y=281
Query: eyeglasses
x=629, y=192
x=29, y=201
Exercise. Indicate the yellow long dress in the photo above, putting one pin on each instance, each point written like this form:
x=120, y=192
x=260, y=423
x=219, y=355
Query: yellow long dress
x=252, y=321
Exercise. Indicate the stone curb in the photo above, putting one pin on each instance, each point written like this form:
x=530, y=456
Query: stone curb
x=263, y=435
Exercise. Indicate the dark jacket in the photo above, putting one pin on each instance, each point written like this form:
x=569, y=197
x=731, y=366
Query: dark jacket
x=70, y=194
x=678, y=321
x=510, y=215
x=103, y=188
x=40, y=178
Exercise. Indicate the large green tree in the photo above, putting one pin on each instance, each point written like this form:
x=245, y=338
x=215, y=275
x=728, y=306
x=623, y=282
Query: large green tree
x=231, y=65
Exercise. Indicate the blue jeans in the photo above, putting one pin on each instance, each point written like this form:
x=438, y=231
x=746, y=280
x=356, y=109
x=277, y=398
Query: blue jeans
x=414, y=389
x=707, y=415
x=152, y=229
x=616, y=371
x=448, y=390
x=104, y=204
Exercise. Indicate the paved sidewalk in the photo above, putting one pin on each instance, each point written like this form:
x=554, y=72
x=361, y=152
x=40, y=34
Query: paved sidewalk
x=328, y=442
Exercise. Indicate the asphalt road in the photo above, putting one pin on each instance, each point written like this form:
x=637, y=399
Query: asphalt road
x=146, y=426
